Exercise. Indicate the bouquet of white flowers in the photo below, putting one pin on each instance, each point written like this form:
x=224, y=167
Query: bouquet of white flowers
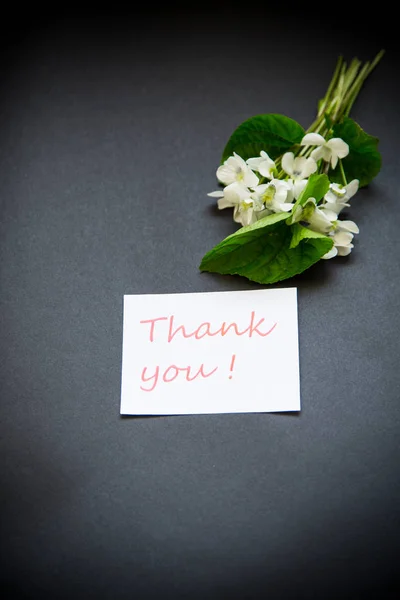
x=288, y=186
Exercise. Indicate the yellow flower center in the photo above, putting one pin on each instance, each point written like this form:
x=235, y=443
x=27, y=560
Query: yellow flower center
x=269, y=194
x=246, y=204
x=239, y=174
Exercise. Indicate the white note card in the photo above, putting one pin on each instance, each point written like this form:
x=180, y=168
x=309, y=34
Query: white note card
x=214, y=352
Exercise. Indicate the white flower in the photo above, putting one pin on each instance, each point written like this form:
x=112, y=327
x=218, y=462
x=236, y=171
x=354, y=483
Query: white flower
x=318, y=219
x=244, y=213
x=342, y=234
x=263, y=164
x=239, y=197
x=337, y=197
x=274, y=196
x=330, y=150
x=298, y=169
x=236, y=169
x=342, y=241
x=342, y=244
x=323, y=220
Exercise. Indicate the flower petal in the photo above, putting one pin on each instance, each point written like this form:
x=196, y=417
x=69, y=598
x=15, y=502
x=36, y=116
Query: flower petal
x=240, y=161
x=260, y=189
x=336, y=205
x=280, y=195
x=225, y=174
x=248, y=217
x=317, y=154
x=266, y=168
x=287, y=162
x=257, y=203
x=319, y=222
x=235, y=192
x=352, y=188
x=331, y=254
x=290, y=191
x=254, y=163
x=224, y=203
x=232, y=163
x=330, y=197
x=344, y=250
x=312, y=139
x=326, y=153
x=342, y=238
x=217, y=194
x=237, y=215
x=329, y=214
x=250, y=179
x=309, y=167
x=298, y=187
x=282, y=184
x=338, y=147
x=348, y=226
x=286, y=206
x=334, y=160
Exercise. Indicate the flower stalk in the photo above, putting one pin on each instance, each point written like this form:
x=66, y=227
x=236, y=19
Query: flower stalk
x=342, y=92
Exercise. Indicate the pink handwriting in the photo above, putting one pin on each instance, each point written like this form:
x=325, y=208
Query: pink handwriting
x=205, y=329
x=170, y=374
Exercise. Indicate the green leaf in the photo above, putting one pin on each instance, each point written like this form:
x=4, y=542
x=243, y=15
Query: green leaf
x=267, y=251
x=316, y=187
x=364, y=160
x=300, y=233
x=261, y=224
x=273, y=133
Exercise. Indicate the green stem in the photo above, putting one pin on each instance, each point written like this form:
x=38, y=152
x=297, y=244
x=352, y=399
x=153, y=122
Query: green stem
x=342, y=172
x=353, y=92
x=342, y=92
x=366, y=72
x=331, y=86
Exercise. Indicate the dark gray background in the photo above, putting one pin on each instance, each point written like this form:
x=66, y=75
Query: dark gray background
x=111, y=132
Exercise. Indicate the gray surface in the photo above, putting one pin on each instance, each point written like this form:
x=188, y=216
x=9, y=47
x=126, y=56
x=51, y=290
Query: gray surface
x=110, y=138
